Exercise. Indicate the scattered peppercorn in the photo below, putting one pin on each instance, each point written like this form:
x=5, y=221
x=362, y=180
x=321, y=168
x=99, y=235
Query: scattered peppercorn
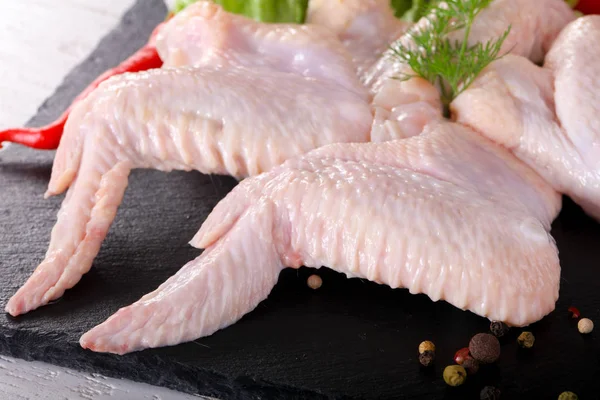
x=485, y=348
x=425, y=346
x=585, y=325
x=574, y=311
x=490, y=393
x=461, y=355
x=499, y=328
x=314, y=282
x=568, y=396
x=526, y=340
x=471, y=365
x=455, y=375
x=427, y=358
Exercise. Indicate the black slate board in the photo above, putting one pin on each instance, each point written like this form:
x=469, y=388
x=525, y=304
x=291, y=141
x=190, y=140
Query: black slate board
x=351, y=339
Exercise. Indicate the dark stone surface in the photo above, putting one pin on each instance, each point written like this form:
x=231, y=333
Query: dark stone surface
x=350, y=339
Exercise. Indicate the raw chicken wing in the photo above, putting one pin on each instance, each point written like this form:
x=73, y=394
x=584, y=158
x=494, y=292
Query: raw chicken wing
x=534, y=26
x=548, y=117
x=447, y=213
x=223, y=121
x=365, y=27
x=205, y=35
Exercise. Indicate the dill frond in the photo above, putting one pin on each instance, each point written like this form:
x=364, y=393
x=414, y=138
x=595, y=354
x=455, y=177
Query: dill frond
x=451, y=65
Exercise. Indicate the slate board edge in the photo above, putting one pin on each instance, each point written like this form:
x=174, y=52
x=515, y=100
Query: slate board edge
x=168, y=373
x=121, y=42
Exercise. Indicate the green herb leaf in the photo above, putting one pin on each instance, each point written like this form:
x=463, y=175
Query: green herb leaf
x=415, y=12
x=260, y=10
x=401, y=7
x=451, y=65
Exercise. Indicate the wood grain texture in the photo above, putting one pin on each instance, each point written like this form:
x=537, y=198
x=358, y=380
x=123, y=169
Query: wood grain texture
x=21, y=380
x=350, y=339
x=42, y=40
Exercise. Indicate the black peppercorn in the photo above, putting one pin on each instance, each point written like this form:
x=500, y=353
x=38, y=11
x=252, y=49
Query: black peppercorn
x=499, y=328
x=490, y=393
x=485, y=348
x=427, y=358
x=471, y=365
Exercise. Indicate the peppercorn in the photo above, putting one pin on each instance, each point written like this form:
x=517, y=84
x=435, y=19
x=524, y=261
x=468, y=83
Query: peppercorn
x=314, y=282
x=498, y=328
x=471, y=365
x=490, y=393
x=455, y=375
x=485, y=348
x=427, y=358
x=585, y=325
x=426, y=345
x=526, y=340
x=568, y=396
x=461, y=355
x=574, y=311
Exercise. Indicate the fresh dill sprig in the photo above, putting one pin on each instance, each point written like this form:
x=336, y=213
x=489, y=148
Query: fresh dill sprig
x=452, y=65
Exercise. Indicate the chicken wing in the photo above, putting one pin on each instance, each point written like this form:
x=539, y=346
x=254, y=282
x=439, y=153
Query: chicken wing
x=447, y=213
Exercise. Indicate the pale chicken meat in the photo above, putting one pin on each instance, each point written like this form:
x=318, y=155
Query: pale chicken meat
x=413, y=214
x=448, y=211
x=205, y=35
x=238, y=120
x=549, y=116
x=365, y=27
x=402, y=108
x=534, y=26
x=575, y=65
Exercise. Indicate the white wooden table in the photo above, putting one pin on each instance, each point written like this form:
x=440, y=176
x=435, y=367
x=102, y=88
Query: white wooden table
x=40, y=42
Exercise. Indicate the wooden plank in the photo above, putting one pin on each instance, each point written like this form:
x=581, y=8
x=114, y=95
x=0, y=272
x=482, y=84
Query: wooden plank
x=42, y=40
x=20, y=380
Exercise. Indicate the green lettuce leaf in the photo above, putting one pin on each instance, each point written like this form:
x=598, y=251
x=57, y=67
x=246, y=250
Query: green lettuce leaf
x=260, y=10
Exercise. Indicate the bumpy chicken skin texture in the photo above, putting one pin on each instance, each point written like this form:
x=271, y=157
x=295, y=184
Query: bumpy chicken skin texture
x=206, y=35
x=365, y=27
x=403, y=108
x=413, y=214
x=448, y=189
x=549, y=116
x=575, y=64
x=534, y=27
x=234, y=121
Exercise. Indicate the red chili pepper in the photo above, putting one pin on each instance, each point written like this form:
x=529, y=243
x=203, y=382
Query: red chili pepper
x=574, y=311
x=588, y=6
x=48, y=137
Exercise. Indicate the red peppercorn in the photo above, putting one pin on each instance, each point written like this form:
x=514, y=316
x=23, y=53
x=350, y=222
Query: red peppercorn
x=574, y=311
x=461, y=355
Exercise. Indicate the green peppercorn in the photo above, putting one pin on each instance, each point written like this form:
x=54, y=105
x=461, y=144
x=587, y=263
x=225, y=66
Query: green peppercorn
x=427, y=358
x=489, y=393
x=498, y=328
x=485, y=348
x=455, y=375
x=568, y=396
x=526, y=340
x=471, y=365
